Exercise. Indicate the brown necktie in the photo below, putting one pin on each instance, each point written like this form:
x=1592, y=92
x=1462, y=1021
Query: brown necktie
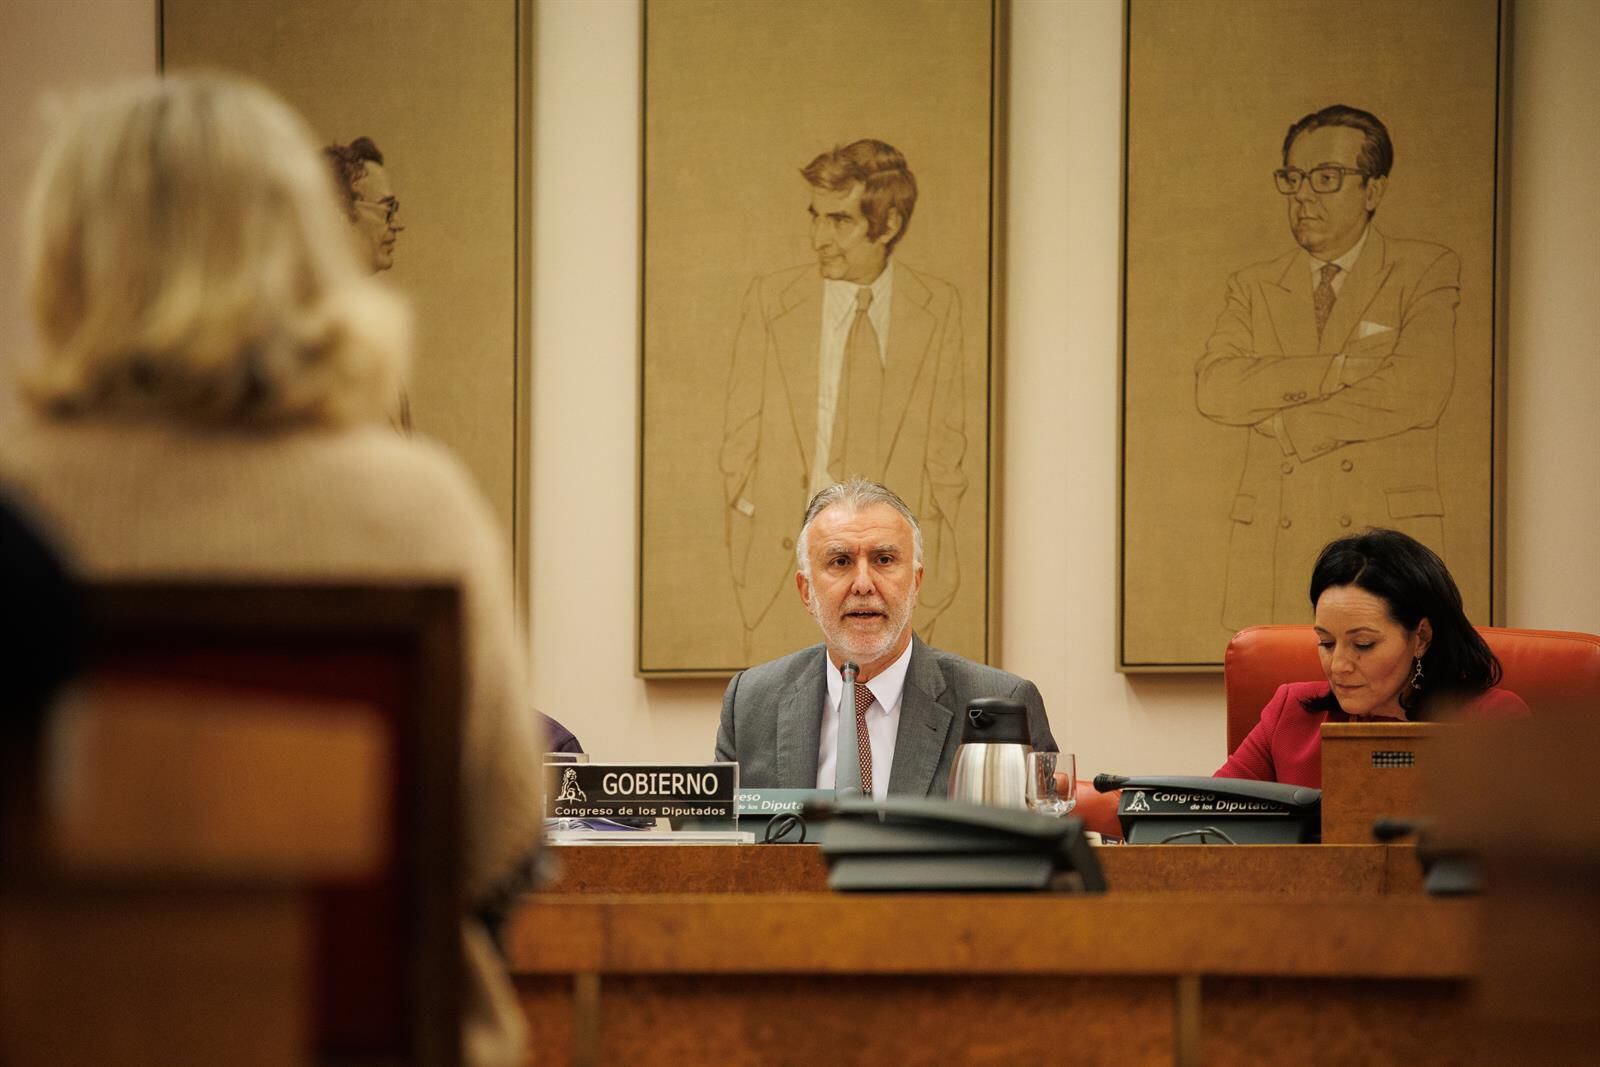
x=1323, y=296
x=855, y=420
x=863, y=742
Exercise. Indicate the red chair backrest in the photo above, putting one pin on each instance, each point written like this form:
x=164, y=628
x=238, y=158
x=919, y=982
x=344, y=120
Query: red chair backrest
x=1549, y=669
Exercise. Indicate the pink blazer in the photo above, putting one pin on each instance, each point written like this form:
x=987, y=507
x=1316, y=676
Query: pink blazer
x=1286, y=745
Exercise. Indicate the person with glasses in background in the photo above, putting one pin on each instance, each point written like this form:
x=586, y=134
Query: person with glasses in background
x=1337, y=360
x=369, y=200
x=374, y=214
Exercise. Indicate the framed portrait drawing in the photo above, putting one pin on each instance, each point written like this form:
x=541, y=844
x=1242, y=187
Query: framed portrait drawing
x=425, y=106
x=1310, y=304
x=819, y=302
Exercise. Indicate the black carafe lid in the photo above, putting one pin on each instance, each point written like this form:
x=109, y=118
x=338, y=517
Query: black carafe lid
x=996, y=721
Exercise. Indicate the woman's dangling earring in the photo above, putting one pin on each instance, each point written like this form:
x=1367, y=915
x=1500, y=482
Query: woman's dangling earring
x=1416, y=673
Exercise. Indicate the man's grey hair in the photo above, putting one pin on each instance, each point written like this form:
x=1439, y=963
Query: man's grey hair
x=853, y=495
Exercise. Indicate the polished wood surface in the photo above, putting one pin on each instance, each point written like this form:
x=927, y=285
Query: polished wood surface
x=1147, y=933
x=813, y=977
x=1198, y=954
x=1365, y=870
x=1358, y=789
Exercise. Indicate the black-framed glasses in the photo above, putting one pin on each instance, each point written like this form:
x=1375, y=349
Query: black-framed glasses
x=1325, y=178
x=389, y=206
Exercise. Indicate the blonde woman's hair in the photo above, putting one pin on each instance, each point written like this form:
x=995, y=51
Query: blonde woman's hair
x=187, y=261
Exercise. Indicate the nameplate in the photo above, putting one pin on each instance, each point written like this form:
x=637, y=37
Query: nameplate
x=649, y=790
x=780, y=801
x=1198, y=802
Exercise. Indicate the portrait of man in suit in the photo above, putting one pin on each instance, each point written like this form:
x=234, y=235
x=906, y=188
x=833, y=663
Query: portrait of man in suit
x=849, y=366
x=1336, y=361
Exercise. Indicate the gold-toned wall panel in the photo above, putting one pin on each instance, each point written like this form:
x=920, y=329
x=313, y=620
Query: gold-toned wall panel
x=434, y=86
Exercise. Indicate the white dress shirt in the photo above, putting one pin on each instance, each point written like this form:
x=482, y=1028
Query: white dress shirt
x=838, y=314
x=1346, y=263
x=883, y=722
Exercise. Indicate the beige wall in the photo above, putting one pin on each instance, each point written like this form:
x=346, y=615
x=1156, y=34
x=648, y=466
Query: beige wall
x=45, y=45
x=1059, y=380
x=1553, y=500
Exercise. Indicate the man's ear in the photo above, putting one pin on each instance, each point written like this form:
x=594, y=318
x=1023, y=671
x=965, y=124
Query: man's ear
x=1374, y=192
x=804, y=587
x=891, y=226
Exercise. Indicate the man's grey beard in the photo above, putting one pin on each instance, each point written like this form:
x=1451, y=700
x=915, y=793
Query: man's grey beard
x=861, y=654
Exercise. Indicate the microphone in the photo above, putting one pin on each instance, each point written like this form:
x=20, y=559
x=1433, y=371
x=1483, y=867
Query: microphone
x=847, y=772
x=1105, y=783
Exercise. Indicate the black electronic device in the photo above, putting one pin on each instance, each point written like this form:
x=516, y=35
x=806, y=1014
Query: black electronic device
x=903, y=844
x=1192, y=810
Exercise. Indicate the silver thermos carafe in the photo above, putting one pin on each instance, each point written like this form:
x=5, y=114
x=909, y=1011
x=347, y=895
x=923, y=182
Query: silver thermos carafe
x=991, y=765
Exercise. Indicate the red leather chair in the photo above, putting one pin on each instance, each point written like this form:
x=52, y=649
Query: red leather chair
x=1549, y=669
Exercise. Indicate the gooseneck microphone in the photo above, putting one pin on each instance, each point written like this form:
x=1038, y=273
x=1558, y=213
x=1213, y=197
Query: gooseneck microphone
x=1105, y=783
x=847, y=772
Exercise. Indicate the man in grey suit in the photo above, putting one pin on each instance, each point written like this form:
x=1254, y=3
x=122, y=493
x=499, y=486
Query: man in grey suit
x=860, y=568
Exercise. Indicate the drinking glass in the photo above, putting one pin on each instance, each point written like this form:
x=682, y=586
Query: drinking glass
x=1052, y=782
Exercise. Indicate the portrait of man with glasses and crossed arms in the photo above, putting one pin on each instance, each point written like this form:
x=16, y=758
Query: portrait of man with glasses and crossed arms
x=1337, y=360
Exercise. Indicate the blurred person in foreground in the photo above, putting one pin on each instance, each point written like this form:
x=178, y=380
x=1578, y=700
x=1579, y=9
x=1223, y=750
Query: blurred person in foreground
x=1395, y=645
x=210, y=402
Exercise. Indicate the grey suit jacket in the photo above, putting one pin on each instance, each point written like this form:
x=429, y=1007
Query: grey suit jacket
x=772, y=719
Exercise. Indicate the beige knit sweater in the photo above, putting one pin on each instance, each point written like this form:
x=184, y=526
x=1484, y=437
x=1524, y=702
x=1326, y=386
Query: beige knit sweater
x=134, y=499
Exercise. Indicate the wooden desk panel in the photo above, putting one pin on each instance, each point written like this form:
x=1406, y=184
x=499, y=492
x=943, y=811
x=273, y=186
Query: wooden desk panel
x=1296, y=870
x=934, y=933
x=992, y=978
x=1359, y=788
x=802, y=1021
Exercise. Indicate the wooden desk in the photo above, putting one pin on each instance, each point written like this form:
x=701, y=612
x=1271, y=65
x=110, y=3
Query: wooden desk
x=1122, y=978
x=1198, y=955
x=1296, y=870
x=1373, y=770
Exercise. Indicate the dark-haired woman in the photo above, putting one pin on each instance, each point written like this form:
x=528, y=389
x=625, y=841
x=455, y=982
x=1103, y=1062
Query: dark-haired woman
x=1394, y=644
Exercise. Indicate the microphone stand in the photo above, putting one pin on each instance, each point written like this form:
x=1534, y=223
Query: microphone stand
x=847, y=773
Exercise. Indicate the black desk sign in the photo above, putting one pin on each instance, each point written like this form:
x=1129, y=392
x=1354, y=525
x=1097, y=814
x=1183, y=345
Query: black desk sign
x=1183, y=810
x=649, y=790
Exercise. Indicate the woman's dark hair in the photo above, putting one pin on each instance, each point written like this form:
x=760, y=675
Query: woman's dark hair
x=1411, y=579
